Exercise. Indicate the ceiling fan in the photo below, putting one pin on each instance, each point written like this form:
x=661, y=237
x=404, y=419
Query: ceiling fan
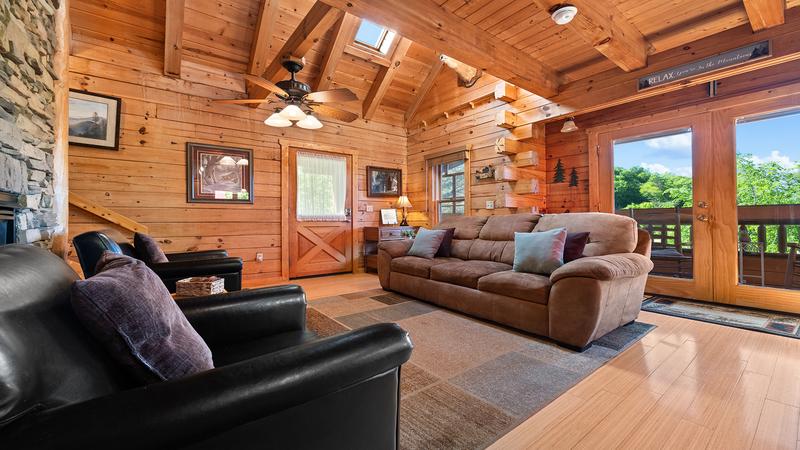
x=296, y=104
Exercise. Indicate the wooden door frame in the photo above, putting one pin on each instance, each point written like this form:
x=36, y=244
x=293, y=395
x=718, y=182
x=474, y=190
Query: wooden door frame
x=601, y=193
x=286, y=146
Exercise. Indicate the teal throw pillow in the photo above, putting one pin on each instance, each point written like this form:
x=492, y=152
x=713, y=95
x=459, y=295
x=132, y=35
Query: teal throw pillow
x=427, y=243
x=539, y=252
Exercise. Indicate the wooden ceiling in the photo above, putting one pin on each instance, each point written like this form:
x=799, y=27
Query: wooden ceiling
x=517, y=40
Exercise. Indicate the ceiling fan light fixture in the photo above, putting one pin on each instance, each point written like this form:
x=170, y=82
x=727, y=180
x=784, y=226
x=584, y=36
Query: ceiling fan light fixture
x=309, y=123
x=569, y=126
x=563, y=14
x=293, y=112
x=278, y=121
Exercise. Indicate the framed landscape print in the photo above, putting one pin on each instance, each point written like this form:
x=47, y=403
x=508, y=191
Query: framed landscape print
x=384, y=182
x=94, y=120
x=219, y=174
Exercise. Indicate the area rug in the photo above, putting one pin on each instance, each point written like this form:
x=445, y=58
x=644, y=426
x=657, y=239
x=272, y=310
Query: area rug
x=782, y=324
x=468, y=382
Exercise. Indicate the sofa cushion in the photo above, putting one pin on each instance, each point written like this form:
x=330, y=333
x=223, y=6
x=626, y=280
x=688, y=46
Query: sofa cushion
x=467, y=227
x=427, y=243
x=485, y=250
x=416, y=266
x=466, y=273
x=574, y=246
x=459, y=248
x=502, y=228
x=524, y=286
x=148, y=249
x=127, y=308
x=447, y=242
x=608, y=233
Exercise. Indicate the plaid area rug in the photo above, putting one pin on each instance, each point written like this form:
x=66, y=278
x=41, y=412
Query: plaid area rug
x=468, y=382
x=782, y=324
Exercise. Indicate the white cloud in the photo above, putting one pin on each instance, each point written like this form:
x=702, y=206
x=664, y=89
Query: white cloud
x=683, y=171
x=656, y=167
x=675, y=142
x=776, y=157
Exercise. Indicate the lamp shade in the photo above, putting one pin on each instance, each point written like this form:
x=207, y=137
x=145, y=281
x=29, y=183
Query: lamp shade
x=278, y=121
x=293, y=112
x=403, y=202
x=569, y=126
x=310, y=123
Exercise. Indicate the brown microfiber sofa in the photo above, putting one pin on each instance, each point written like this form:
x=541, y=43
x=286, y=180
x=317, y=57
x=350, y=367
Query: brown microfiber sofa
x=578, y=303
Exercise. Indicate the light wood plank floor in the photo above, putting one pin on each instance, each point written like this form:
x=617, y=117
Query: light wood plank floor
x=687, y=384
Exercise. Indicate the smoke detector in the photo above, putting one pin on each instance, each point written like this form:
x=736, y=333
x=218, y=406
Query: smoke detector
x=563, y=14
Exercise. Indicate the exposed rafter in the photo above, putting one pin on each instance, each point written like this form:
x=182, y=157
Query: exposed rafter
x=384, y=79
x=603, y=26
x=764, y=14
x=428, y=24
x=262, y=39
x=424, y=88
x=173, y=37
x=343, y=34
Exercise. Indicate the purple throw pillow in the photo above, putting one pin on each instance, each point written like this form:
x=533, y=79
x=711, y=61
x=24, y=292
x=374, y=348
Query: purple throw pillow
x=126, y=307
x=447, y=242
x=573, y=248
x=148, y=249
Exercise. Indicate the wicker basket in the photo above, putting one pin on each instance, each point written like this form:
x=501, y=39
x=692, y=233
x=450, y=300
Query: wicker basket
x=199, y=286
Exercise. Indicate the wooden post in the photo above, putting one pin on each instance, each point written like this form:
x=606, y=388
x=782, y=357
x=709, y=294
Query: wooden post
x=782, y=239
x=506, y=92
x=61, y=131
x=506, y=119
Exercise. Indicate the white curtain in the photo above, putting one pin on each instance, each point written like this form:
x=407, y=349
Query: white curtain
x=321, y=187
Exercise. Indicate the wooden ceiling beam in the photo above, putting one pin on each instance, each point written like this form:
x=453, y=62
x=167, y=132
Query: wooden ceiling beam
x=173, y=37
x=425, y=87
x=765, y=14
x=603, y=26
x=262, y=39
x=343, y=34
x=384, y=79
x=430, y=25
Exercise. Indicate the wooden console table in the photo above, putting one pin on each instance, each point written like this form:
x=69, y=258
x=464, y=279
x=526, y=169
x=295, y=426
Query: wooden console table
x=375, y=235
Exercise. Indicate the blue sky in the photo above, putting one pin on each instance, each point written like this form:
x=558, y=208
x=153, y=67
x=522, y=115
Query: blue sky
x=773, y=139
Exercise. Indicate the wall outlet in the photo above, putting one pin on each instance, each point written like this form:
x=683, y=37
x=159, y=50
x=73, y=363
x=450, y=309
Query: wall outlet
x=489, y=204
x=260, y=257
x=370, y=208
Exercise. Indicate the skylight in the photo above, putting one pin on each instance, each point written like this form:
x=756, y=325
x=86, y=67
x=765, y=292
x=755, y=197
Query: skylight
x=374, y=36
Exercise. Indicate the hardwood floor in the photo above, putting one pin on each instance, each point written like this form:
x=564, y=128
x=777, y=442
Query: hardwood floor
x=685, y=385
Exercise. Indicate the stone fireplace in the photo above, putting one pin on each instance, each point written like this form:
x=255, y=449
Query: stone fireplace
x=27, y=120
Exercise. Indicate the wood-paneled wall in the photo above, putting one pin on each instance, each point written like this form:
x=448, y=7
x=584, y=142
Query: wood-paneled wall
x=115, y=51
x=465, y=125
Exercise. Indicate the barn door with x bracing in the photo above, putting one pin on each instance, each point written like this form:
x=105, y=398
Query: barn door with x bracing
x=320, y=222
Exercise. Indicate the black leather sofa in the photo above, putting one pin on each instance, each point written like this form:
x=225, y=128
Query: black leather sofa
x=90, y=246
x=275, y=386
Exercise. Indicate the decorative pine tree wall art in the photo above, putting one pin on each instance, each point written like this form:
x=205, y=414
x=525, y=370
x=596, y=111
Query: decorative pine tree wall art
x=558, y=177
x=573, y=178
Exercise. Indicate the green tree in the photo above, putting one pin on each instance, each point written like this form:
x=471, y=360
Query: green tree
x=558, y=177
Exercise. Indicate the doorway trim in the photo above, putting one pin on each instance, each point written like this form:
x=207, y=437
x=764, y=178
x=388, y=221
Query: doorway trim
x=286, y=146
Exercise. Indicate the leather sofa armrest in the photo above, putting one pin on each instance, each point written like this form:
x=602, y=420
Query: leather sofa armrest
x=196, y=268
x=396, y=249
x=245, y=315
x=606, y=267
x=191, y=256
x=178, y=413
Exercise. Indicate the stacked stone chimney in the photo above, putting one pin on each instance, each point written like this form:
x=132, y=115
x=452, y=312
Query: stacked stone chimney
x=27, y=115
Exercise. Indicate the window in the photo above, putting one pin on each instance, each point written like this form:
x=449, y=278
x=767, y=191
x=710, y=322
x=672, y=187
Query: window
x=321, y=187
x=451, y=188
x=375, y=37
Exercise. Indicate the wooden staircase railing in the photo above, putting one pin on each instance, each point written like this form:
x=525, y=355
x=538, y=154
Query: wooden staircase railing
x=106, y=214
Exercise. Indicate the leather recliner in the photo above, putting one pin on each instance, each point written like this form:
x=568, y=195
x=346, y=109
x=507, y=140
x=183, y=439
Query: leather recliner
x=90, y=246
x=275, y=384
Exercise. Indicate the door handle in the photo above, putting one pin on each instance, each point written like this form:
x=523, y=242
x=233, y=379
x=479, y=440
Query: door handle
x=702, y=218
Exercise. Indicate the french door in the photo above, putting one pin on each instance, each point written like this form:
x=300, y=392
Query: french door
x=719, y=192
x=320, y=220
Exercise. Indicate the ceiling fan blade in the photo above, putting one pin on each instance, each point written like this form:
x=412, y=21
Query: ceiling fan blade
x=242, y=101
x=335, y=113
x=268, y=85
x=340, y=95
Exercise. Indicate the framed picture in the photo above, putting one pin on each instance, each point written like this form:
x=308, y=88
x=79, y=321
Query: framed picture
x=384, y=182
x=389, y=216
x=218, y=174
x=94, y=120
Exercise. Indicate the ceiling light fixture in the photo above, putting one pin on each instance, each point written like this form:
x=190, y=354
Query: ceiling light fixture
x=309, y=123
x=277, y=120
x=293, y=112
x=563, y=14
x=569, y=126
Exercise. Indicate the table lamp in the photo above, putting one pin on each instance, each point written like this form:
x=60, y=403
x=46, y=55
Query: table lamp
x=403, y=202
